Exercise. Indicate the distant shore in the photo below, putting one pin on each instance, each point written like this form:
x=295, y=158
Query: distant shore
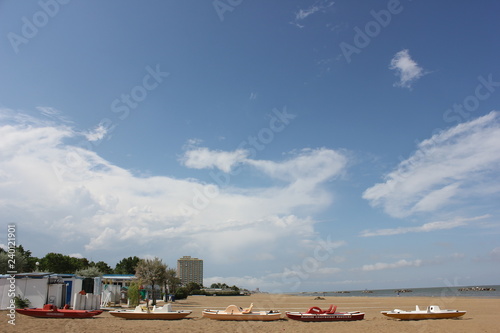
x=477, y=291
x=481, y=316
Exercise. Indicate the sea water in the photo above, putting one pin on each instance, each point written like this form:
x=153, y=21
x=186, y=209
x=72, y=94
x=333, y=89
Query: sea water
x=452, y=291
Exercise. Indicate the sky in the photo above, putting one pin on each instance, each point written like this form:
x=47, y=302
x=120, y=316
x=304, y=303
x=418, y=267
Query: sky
x=292, y=145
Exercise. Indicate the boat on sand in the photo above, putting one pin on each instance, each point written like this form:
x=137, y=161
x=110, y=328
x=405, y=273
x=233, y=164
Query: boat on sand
x=52, y=311
x=233, y=312
x=432, y=312
x=316, y=314
x=161, y=313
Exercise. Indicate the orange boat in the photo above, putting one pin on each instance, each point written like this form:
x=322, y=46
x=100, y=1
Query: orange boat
x=232, y=312
x=161, y=313
x=51, y=311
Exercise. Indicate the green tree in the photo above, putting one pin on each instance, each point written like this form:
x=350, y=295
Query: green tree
x=152, y=272
x=103, y=267
x=18, y=257
x=192, y=286
x=172, y=282
x=90, y=272
x=62, y=264
x=127, y=265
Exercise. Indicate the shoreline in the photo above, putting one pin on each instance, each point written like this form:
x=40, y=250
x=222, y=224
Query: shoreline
x=483, y=291
x=481, y=316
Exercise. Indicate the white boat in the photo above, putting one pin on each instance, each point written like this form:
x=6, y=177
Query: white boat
x=163, y=313
x=432, y=312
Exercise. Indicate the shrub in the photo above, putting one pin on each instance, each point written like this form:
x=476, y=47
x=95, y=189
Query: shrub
x=134, y=294
x=21, y=303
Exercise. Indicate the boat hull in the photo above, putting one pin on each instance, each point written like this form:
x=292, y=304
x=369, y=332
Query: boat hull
x=151, y=315
x=420, y=316
x=58, y=313
x=252, y=316
x=342, y=316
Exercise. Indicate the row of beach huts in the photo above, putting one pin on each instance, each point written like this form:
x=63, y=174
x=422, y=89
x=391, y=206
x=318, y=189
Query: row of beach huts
x=61, y=289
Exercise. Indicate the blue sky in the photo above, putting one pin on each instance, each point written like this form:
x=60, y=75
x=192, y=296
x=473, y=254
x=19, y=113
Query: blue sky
x=292, y=145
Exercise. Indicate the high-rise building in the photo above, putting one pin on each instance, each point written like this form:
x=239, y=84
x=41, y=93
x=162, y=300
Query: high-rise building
x=190, y=270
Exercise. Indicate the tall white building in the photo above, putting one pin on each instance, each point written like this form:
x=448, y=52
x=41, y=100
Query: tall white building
x=190, y=270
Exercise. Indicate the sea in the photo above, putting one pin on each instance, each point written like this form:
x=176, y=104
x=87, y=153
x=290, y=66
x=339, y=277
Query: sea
x=489, y=291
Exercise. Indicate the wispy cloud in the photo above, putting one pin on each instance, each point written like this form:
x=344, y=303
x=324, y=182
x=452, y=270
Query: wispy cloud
x=428, y=227
x=202, y=158
x=455, y=165
x=98, y=133
x=495, y=254
x=54, y=114
x=302, y=14
x=319, y=164
x=406, y=69
x=401, y=263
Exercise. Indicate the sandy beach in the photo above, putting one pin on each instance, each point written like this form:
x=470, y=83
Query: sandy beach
x=481, y=316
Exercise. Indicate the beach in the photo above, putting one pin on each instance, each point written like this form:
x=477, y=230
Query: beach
x=481, y=316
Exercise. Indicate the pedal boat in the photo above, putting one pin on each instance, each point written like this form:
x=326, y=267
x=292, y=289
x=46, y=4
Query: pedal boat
x=52, y=311
x=161, y=313
x=316, y=314
x=432, y=312
x=232, y=312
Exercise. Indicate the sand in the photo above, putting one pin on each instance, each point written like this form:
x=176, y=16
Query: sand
x=481, y=316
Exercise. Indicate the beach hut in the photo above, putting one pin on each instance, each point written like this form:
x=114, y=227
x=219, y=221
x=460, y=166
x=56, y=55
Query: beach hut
x=113, y=288
x=40, y=288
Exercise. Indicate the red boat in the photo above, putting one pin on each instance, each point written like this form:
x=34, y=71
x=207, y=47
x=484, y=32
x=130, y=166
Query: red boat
x=316, y=314
x=51, y=311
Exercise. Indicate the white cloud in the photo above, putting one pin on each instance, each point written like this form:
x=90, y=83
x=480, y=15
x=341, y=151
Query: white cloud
x=302, y=14
x=98, y=133
x=495, y=254
x=201, y=158
x=53, y=113
x=428, y=227
x=71, y=198
x=407, y=69
x=456, y=165
x=401, y=263
x=311, y=164
x=319, y=6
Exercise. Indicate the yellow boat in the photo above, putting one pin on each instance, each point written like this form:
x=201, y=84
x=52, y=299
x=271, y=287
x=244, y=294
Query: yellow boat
x=232, y=312
x=161, y=313
x=432, y=312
